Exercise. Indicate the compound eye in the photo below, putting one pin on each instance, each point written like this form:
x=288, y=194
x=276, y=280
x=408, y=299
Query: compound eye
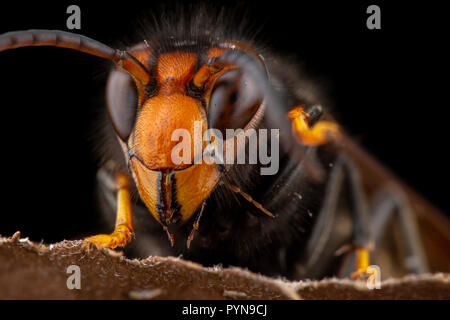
x=122, y=102
x=234, y=101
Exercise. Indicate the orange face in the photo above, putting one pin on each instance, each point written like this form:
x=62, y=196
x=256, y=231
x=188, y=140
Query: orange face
x=171, y=191
x=148, y=108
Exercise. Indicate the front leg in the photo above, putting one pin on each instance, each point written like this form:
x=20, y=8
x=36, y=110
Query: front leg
x=389, y=203
x=123, y=230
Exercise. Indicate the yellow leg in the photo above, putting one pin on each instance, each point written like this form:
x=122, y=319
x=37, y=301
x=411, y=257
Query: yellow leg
x=363, y=271
x=124, y=220
x=319, y=133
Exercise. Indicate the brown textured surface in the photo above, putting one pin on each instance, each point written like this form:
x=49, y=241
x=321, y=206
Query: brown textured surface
x=35, y=271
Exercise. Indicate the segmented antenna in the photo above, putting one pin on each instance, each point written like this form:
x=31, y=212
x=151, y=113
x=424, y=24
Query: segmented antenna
x=247, y=197
x=62, y=39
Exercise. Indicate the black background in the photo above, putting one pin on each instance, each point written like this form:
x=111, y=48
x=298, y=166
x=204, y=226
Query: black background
x=388, y=88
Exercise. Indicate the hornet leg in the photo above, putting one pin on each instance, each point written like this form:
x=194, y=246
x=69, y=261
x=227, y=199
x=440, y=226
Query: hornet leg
x=344, y=175
x=124, y=221
x=387, y=204
x=309, y=131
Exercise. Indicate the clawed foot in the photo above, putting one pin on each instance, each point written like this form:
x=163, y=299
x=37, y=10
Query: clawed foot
x=363, y=269
x=119, y=238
